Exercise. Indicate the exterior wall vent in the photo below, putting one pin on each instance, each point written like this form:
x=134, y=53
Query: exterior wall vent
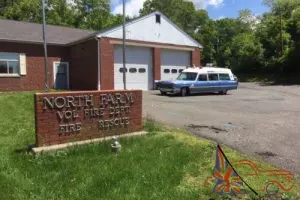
x=157, y=18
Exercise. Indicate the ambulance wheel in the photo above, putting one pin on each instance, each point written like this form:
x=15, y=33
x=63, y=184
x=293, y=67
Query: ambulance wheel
x=224, y=92
x=183, y=92
x=163, y=93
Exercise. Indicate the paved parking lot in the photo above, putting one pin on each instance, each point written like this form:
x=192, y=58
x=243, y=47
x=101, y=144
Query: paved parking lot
x=256, y=120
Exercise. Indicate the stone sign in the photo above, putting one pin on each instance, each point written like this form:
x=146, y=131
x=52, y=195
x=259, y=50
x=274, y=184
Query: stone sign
x=64, y=117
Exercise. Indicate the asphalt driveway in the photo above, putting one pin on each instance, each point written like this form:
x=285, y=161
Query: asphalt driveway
x=256, y=120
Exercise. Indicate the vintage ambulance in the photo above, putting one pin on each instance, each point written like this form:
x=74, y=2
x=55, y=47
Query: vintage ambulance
x=200, y=80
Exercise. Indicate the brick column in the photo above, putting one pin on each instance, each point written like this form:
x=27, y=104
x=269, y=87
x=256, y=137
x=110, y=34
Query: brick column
x=107, y=64
x=156, y=63
x=195, y=58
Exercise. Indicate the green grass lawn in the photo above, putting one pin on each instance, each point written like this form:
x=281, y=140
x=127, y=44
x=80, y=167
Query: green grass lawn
x=167, y=163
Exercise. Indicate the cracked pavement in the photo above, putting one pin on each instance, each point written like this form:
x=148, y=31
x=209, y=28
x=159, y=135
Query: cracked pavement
x=256, y=120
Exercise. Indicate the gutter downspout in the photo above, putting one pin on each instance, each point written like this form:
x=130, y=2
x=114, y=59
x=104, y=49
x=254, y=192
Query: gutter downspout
x=99, y=63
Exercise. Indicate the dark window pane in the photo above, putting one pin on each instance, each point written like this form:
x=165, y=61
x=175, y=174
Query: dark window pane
x=157, y=18
x=213, y=77
x=132, y=70
x=187, y=76
x=121, y=70
x=202, y=77
x=3, y=67
x=166, y=71
x=174, y=71
x=181, y=70
x=142, y=70
x=224, y=77
x=61, y=69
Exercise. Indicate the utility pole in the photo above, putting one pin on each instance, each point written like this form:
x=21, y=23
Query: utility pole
x=217, y=58
x=124, y=47
x=45, y=47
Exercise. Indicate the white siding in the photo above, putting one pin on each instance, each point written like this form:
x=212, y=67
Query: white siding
x=136, y=58
x=22, y=64
x=146, y=29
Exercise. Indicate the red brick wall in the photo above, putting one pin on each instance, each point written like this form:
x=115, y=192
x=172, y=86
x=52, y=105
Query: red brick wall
x=84, y=66
x=156, y=63
x=107, y=64
x=83, y=59
x=48, y=122
x=196, y=57
x=35, y=77
x=107, y=61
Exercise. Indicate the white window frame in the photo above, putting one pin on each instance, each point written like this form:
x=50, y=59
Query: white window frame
x=13, y=60
x=54, y=73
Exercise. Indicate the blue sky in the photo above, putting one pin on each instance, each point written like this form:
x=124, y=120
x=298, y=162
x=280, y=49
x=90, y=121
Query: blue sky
x=230, y=8
x=216, y=8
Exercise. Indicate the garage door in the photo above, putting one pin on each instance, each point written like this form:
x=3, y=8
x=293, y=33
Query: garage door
x=138, y=67
x=173, y=62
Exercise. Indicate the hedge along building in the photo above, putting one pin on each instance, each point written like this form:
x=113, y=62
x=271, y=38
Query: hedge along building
x=156, y=49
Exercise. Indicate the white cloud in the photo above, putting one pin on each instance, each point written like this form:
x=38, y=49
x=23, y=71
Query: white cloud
x=202, y=4
x=133, y=6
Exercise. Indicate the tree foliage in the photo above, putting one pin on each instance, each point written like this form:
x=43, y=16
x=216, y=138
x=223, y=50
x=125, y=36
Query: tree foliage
x=270, y=42
x=84, y=14
x=244, y=53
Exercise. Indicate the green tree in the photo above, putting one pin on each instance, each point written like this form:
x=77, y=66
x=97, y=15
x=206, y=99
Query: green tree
x=92, y=14
x=4, y=4
x=269, y=34
x=279, y=35
x=284, y=7
x=248, y=18
x=226, y=30
x=245, y=53
x=59, y=12
x=85, y=14
x=25, y=10
x=207, y=36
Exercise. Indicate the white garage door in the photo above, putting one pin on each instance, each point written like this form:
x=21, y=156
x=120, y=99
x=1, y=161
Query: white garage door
x=138, y=66
x=173, y=62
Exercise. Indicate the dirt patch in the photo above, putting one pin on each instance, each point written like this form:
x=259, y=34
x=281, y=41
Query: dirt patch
x=266, y=154
x=216, y=129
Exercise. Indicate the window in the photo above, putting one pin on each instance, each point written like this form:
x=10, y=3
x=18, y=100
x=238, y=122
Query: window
x=157, y=18
x=142, y=70
x=61, y=69
x=121, y=70
x=181, y=70
x=187, y=76
x=174, y=71
x=132, y=70
x=202, y=77
x=166, y=71
x=224, y=77
x=213, y=77
x=9, y=63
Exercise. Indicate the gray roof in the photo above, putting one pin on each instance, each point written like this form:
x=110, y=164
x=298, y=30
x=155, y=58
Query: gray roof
x=31, y=32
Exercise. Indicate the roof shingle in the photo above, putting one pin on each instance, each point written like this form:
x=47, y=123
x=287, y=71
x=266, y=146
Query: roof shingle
x=31, y=32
